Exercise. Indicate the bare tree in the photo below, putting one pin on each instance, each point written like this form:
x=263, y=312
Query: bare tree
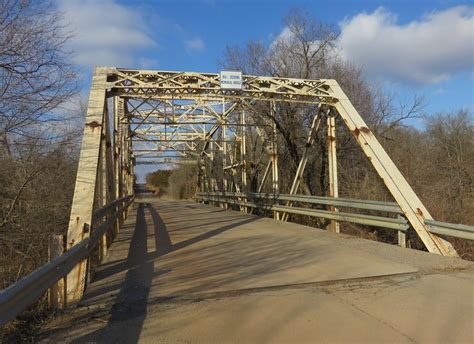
x=306, y=48
x=36, y=72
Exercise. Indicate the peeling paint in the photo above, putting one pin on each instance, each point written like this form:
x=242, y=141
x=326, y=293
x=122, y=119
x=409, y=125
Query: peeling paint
x=93, y=125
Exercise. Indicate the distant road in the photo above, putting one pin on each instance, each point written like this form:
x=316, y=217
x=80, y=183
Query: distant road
x=142, y=189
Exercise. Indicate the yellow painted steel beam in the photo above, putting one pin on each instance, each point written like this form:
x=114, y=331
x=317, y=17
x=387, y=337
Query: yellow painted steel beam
x=412, y=207
x=80, y=221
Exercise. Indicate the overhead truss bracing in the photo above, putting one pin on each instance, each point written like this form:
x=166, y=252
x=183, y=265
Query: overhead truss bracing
x=185, y=85
x=139, y=117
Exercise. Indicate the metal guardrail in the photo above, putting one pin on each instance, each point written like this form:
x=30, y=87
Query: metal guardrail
x=451, y=229
x=390, y=207
x=103, y=211
x=270, y=202
x=18, y=296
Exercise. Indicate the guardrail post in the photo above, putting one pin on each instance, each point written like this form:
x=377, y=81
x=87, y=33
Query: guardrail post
x=402, y=237
x=57, y=292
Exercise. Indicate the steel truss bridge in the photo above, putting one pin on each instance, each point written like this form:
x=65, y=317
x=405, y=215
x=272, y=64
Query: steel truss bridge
x=139, y=117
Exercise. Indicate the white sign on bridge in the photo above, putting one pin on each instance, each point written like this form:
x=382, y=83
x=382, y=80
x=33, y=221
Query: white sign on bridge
x=231, y=80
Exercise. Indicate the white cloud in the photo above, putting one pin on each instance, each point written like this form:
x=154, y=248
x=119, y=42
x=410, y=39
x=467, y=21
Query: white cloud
x=426, y=51
x=285, y=36
x=105, y=32
x=192, y=45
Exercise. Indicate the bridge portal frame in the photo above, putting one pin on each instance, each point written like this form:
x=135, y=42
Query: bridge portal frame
x=106, y=163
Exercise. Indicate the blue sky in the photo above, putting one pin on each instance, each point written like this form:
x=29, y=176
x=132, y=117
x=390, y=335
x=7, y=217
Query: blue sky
x=423, y=47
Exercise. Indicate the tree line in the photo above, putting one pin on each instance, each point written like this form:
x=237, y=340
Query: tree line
x=38, y=142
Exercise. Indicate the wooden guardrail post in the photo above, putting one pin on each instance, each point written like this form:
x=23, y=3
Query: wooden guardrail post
x=402, y=237
x=57, y=292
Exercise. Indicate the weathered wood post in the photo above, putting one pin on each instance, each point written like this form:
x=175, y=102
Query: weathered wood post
x=402, y=237
x=57, y=292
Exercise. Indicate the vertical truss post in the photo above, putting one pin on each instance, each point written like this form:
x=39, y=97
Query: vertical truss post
x=83, y=200
x=210, y=173
x=332, y=166
x=132, y=174
x=128, y=159
x=224, y=159
x=401, y=191
x=102, y=187
x=275, y=182
x=237, y=186
x=224, y=150
x=199, y=184
x=243, y=154
x=122, y=134
x=109, y=159
x=304, y=158
x=118, y=114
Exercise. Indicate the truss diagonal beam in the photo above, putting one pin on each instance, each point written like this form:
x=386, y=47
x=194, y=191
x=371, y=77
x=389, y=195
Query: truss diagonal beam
x=401, y=191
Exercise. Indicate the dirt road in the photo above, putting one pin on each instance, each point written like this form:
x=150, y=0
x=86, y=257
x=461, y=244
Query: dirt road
x=181, y=272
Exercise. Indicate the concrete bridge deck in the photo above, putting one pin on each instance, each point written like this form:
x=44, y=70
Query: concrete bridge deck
x=182, y=272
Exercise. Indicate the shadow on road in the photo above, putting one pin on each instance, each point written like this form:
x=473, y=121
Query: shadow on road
x=131, y=302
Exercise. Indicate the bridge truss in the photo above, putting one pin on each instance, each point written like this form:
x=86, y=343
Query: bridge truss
x=156, y=117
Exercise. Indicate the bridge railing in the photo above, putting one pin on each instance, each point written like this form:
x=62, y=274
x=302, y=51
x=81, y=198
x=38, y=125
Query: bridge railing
x=272, y=202
x=18, y=296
